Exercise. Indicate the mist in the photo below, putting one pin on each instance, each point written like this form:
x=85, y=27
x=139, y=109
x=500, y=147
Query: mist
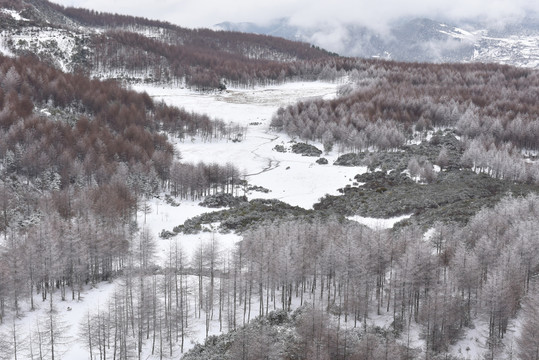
x=375, y=15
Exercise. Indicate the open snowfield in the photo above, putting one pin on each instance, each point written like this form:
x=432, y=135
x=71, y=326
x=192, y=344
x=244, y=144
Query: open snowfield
x=292, y=178
x=378, y=224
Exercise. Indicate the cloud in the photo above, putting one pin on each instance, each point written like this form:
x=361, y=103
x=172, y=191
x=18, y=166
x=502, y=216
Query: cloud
x=375, y=14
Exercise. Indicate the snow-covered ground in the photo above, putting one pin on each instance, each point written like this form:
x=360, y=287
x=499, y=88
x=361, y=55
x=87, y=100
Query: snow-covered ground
x=292, y=178
x=60, y=44
x=14, y=14
x=379, y=224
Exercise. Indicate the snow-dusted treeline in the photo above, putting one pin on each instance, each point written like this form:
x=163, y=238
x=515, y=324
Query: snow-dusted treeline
x=342, y=274
x=492, y=105
x=194, y=64
x=445, y=283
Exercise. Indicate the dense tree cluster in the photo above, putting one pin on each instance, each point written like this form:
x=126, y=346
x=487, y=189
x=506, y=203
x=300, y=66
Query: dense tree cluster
x=340, y=275
x=93, y=126
x=492, y=101
x=306, y=333
x=190, y=181
x=205, y=63
x=233, y=42
x=100, y=19
x=443, y=281
x=86, y=130
x=502, y=162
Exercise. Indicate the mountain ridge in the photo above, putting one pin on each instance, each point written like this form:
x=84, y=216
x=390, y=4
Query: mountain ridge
x=133, y=48
x=418, y=40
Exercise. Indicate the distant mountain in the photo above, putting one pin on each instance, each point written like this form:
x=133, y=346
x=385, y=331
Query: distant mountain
x=418, y=40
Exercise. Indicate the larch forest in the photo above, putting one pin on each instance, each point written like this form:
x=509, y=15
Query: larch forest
x=454, y=146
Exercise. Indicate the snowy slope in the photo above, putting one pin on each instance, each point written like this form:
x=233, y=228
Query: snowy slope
x=57, y=45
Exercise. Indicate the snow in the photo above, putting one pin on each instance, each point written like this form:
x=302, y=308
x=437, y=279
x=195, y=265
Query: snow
x=377, y=223
x=14, y=14
x=68, y=313
x=79, y=310
x=461, y=34
x=428, y=234
x=292, y=178
x=45, y=112
x=240, y=105
x=42, y=40
x=515, y=50
x=4, y=50
x=518, y=50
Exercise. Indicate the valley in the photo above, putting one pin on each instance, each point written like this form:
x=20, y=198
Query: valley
x=168, y=192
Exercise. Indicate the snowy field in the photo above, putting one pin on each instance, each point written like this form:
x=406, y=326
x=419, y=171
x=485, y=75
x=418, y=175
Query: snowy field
x=292, y=178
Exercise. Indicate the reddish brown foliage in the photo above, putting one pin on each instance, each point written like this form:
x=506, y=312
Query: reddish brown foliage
x=117, y=125
x=478, y=99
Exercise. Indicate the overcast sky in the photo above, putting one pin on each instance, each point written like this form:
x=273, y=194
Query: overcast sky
x=372, y=13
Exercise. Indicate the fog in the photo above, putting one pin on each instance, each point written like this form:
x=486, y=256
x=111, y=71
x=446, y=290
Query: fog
x=306, y=13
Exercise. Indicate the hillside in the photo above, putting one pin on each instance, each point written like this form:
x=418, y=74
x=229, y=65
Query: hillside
x=129, y=48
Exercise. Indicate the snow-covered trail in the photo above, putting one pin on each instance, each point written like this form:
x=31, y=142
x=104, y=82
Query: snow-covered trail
x=273, y=163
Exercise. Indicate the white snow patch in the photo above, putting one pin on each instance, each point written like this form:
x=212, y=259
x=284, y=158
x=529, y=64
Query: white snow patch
x=45, y=112
x=5, y=51
x=44, y=39
x=14, y=14
x=68, y=314
x=428, y=234
x=379, y=224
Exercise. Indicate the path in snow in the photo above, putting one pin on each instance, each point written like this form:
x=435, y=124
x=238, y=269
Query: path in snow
x=272, y=162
